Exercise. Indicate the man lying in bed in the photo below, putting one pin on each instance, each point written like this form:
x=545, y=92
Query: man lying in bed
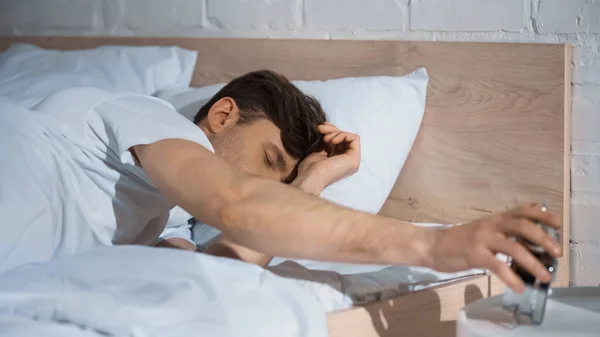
x=87, y=167
x=306, y=140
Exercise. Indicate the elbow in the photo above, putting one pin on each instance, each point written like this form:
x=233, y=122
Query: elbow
x=230, y=216
x=233, y=209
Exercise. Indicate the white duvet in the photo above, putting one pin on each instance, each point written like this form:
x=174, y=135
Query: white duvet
x=139, y=291
x=142, y=291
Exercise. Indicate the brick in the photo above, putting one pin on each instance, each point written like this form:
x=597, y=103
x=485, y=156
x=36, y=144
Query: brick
x=585, y=265
x=584, y=222
x=587, y=75
x=585, y=208
x=586, y=59
x=558, y=16
x=32, y=15
x=467, y=15
x=590, y=74
x=150, y=15
x=375, y=15
x=254, y=34
x=568, y=17
x=255, y=14
x=590, y=20
x=587, y=93
x=585, y=121
x=586, y=52
x=585, y=173
x=588, y=199
x=585, y=147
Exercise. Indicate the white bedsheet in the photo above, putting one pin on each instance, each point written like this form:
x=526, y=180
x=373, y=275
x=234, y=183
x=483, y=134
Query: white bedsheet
x=141, y=291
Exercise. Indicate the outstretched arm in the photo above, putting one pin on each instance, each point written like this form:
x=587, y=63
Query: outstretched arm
x=274, y=218
x=279, y=220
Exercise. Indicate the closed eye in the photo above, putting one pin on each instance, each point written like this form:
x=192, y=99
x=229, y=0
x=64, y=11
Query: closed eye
x=267, y=160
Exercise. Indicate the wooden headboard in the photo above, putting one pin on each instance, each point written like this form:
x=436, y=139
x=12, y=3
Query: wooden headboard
x=496, y=131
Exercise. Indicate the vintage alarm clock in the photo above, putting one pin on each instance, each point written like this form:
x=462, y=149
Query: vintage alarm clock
x=529, y=306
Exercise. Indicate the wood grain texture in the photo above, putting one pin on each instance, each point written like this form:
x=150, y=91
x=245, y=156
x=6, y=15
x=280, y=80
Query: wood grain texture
x=496, y=134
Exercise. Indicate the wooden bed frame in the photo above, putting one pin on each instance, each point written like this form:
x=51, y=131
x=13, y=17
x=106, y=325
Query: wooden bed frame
x=496, y=134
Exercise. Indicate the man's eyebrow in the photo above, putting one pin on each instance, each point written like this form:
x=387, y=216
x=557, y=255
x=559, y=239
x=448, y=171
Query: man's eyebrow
x=281, y=164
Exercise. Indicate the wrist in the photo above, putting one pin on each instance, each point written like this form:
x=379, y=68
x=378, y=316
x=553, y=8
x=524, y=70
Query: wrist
x=309, y=184
x=427, y=246
x=414, y=249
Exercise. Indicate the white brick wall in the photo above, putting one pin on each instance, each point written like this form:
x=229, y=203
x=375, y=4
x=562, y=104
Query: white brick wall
x=244, y=14
x=37, y=15
x=376, y=15
x=558, y=16
x=468, y=15
x=554, y=21
x=157, y=14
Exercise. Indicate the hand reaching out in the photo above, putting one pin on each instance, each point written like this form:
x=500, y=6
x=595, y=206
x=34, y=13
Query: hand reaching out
x=474, y=245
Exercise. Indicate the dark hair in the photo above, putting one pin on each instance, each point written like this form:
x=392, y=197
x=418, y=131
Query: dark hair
x=266, y=94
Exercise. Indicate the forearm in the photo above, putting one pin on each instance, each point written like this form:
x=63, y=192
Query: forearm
x=293, y=224
x=276, y=219
x=225, y=248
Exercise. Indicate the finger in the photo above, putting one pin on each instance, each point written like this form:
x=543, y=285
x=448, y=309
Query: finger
x=537, y=213
x=503, y=271
x=343, y=137
x=528, y=230
x=327, y=128
x=315, y=156
x=523, y=257
x=328, y=137
x=354, y=143
x=347, y=143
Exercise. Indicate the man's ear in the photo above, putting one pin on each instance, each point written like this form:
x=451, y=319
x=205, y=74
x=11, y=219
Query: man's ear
x=222, y=115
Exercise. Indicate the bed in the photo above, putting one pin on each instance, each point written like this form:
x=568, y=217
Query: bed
x=496, y=134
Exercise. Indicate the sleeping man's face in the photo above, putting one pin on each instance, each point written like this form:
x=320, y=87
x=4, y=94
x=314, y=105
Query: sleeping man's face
x=254, y=147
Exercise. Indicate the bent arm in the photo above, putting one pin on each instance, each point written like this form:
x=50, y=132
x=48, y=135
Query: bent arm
x=273, y=218
x=175, y=242
x=226, y=248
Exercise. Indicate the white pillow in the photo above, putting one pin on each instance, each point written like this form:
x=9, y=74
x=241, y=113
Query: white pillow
x=29, y=73
x=385, y=111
